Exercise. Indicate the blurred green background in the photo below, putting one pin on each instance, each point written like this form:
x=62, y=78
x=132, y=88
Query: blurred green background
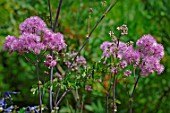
x=141, y=16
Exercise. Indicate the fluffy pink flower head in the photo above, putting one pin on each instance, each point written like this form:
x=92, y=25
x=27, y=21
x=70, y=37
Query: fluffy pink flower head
x=107, y=48
x=53, y=41
x=146, y=41
x=157, y=50
x=131, y=55
x=149, y=65
x=35, y=37
x=31, y=42
x=32, y=25
x=11, y=43
x=151, y=53
x=147, y=46
x=110, y=48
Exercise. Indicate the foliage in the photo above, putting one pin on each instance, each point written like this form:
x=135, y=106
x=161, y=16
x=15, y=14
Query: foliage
x=142, y=17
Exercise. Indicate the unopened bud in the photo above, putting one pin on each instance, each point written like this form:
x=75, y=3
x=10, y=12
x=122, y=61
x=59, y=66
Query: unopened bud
x=90, y=10
x=123, y=29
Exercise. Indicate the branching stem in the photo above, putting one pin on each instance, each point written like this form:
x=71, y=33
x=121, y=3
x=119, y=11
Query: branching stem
x=90, y=33
x=51, y=51
x=49, y=6
x=85, y=42
x=57, y=15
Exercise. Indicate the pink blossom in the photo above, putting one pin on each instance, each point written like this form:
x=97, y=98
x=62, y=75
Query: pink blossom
x=151, y=53
x=33, y=25
x=31, y=42
x=149, y=65
x=122, y=64
x=114, y=70
x=53, y=63
x=107, y=48
x=131, y=55
x=11, y=43
x=127, y=73
x=53, y=41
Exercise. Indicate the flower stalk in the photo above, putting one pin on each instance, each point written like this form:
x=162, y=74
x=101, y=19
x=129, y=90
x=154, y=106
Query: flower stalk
x=39, y=83
x=132, y=95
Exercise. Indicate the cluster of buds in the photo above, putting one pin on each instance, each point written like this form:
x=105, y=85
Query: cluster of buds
x=123, y=29
x=50, y=62
x=80, y=61
x=88, y=88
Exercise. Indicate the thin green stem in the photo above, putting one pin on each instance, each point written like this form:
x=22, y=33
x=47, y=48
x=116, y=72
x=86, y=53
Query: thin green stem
x=115, y=79
x=132, y=95
x=114, y=93
x=82, y=105
x=108, y=95
x=164, y=94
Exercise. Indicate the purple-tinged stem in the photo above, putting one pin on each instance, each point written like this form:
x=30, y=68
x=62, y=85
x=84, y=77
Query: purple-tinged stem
x=38, y=80
x=49, y=6
x=56, y=98
x=51, y=52
x=51, y=69
x=51, y=80
x=57, y=15
x=63, y=95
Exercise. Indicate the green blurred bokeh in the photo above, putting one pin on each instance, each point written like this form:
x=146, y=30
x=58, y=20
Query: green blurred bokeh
x=141, y=16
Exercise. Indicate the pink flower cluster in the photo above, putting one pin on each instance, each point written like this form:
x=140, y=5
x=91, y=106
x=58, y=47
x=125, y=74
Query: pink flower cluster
x=147, y=56
x=34, y=38
x=33, y=25
x=124, y=52
x=151, y=53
